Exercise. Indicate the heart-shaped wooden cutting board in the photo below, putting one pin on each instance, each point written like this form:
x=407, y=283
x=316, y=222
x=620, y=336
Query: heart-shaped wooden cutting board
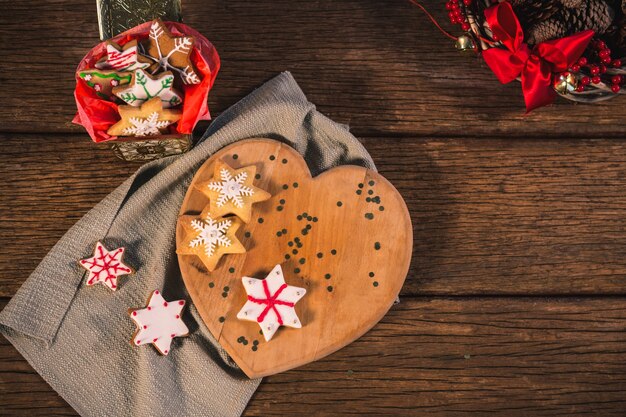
x=345, y=236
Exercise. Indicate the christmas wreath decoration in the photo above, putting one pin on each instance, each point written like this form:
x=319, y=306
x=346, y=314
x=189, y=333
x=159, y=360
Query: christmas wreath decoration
x=572, y=48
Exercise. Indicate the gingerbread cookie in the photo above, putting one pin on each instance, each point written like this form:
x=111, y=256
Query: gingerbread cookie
x=171, y=53
x=105, y=266
x=158, y=323
x=271, y=302
x=147, y=120
x=126, y=58
x=144, y=86
x=210, y=237
x=103, y=81
x=231, y=191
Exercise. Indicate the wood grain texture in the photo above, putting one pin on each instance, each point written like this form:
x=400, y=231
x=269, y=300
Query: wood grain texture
x=490, y=216
x=441, y=357
x=379, y=66
x=337, y=254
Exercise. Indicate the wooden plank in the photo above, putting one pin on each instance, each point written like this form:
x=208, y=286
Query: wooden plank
x=380, y=66
x=514, y=357
x=490, y=216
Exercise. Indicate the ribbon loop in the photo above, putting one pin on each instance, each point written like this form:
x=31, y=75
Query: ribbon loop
x=535, y=66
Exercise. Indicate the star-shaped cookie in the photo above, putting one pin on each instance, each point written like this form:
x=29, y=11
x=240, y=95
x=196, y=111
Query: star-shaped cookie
x=271, y=302
x=148, y=119
x=103, y=81
x=171, y=53
x=158, y=323
x=230, y=191
x=105, y=266
x=126, y=58
x=209, y=237
x=144, y=86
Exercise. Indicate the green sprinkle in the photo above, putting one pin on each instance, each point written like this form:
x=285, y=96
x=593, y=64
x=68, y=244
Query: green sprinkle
x=284, y=161
x=261, y=220
x=369, y=216
x=235, y=156
x=370, y=192
x=320, y=254
x=245, y=342
x=381, y=208
x=375, y=283
x=284, y=231
x=255, y=342
x=372, y=275
x=359, y=192
x=272, y=157
x=282, y=201
x=231, y=270
x=287, y=256
x=247, y=234
x=333, y=252
x=240, y=339
x=295, y=251
x=377, y=245
x=224, y=294
x=226, y=289
x=330, y=288
x=257, y=177
x=295, y=185
x=314, y=219
x=339, y=204
x=305, y=214
x=302, y=261
x=327, y=276
x=279, y=233
x=211, y=284
x=222, y=319
x=290, y=243
x=297, y=270
x=360, y=185
x=285, y=186
x=371, y=183
x=255, y=348
x=299, y=217
x=305, y=232
x=308, y=226
x=279, y=208
x=368, y=199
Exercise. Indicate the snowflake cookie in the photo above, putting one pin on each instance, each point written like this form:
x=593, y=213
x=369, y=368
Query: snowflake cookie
x=231, y=191
x=271, y=302
x=209, y=237
x=103, y=82
x=158, y=323
x=171, y=53
x=105, y=266
x=147, y=120
x=144, y=86
x=125, y=58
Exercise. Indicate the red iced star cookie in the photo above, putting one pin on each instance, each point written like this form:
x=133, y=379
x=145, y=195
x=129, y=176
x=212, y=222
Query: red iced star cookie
x=105, y=267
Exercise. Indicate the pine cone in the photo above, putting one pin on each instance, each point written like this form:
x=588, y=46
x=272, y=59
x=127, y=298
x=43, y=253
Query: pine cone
x=532, y=12
x=596, y=15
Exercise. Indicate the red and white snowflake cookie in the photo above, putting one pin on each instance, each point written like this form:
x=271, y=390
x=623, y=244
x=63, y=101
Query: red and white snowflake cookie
x=105, y=266
x=271, y=302
x=159, y=322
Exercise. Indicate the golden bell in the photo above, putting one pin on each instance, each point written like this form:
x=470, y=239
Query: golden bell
x=565, y=83
x=465, y=43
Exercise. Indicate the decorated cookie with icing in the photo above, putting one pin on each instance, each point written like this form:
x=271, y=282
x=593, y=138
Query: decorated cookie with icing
x=105, y=266
x=104, y=81
x=231, y=191
x=126, y=58
x=210, y=237
x=271, y=302
x=144, y=86
x=147, y=120
x=169, y=52
x=158, y=323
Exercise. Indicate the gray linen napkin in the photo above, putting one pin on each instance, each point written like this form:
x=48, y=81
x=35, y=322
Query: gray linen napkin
x=78, y=338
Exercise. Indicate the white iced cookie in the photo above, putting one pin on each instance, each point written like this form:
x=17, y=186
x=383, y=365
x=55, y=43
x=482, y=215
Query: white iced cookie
x=158, y=323
x=271, y=302
x=105, y=266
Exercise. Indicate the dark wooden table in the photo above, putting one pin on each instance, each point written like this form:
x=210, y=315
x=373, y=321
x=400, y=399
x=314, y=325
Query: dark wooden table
x=515, y=303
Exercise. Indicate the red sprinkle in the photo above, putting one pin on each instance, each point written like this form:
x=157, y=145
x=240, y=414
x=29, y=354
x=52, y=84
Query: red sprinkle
x=156, y=292
x=181, y=302
x=145, y=327
x=134, y=313
x=165, y=304
x=154, y=340
x=173, y=335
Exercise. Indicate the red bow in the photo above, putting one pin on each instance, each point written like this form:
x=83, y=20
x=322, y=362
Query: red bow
x=536, y=65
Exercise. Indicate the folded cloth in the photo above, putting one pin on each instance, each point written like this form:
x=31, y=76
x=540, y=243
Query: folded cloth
x=78, y=338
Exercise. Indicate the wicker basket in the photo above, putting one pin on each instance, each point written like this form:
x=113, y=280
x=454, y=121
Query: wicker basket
x=483, y=39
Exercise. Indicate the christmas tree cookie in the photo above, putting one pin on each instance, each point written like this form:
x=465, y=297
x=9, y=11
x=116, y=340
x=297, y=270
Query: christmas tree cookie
x=125, y=58
x=209, y=237
x=158, y=323
x=144, y=86
x=271, y=302
x=171, y=53
x=148, y=119
x=104, y=81
x=105, y=266
x=230, y=191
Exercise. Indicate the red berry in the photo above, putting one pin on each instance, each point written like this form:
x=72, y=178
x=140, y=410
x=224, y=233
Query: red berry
x=575, y=68
x=617, y=63
x=467, y=2
x=615, y=88
x=617, y=79
x=607, y=60
x=596, y=80
x=580, y=88
x=582, y=61
x=602, y=69
x=465, y=26
x=585, y=80
x=604, y=53
x=594, y=70
x=601, y=45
